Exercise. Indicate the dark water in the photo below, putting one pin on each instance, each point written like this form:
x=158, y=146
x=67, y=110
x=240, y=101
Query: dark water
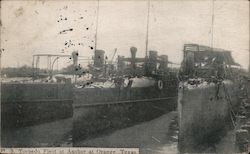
x=94, y=121
x=100, y=121
x=51, y=134
x=157, y=136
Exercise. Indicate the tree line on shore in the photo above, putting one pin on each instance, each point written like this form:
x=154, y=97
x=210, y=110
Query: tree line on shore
x=28, y=71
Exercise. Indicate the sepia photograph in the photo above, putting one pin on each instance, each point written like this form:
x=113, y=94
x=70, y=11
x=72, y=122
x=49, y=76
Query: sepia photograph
x=124, y=76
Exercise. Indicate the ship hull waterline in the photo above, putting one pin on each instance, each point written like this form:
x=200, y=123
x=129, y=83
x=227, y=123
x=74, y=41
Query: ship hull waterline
x=113, y=108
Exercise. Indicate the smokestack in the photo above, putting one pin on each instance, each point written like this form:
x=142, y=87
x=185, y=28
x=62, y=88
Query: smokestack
x=133, y=51
x=75, y=57
x=99, y=58
x=164, y=62
x=153, y=55
x=133, y=56
x=152, y=61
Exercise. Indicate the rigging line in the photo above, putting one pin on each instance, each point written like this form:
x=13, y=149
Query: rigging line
x=233, y=122
x=97, y=19
x=212, y=27
x=147, y=28
x=228, y=98
x=248, y=45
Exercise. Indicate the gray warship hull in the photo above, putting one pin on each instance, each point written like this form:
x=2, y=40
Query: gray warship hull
x=205, y=113
x=109, y=109
x=25, y=104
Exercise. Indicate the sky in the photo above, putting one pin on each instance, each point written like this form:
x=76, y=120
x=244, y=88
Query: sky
x=61, y=27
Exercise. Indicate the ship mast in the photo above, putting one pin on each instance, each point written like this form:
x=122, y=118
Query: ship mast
x=147, y=28
x=249, y=50
x=96, y=30
x=212, y=27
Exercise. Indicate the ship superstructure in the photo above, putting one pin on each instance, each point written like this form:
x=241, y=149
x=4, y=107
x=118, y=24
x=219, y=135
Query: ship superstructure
x=207, y=97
